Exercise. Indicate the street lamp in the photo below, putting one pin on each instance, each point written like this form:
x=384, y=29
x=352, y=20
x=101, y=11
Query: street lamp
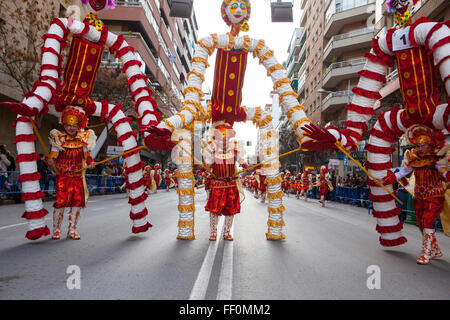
x=181, y=8
x=282, y=11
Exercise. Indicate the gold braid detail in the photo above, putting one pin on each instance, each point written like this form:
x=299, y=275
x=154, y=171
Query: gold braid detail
x=210, y=49
x=198, y=74
x=199, y=59
x=274, y=68
x=258, y=48
x=294, y=110
x=266, y=56
x=246, y=44
x=281, y=82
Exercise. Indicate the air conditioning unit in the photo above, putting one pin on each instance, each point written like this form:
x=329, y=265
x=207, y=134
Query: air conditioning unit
x=181, y=8
x=282, y=11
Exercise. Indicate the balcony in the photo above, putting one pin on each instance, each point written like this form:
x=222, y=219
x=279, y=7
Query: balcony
x=335, y=101
x=354, y=11
x=353, y=40
x=340, y=71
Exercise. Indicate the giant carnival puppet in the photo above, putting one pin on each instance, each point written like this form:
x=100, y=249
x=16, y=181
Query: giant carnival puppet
x=69, y=93
x=225, y=108
x=421, y=52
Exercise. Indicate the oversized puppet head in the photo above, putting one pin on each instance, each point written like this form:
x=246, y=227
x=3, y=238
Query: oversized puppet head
x=73, y=119
x=236, y=13
x=402, y=16
x=98, y=5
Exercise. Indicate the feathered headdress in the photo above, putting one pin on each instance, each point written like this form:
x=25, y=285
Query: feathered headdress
x=74, y=116
x=422, y=134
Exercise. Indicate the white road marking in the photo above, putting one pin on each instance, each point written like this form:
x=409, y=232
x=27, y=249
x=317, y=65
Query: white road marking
x=224, y=291
x=198, y=292
x=17, y=224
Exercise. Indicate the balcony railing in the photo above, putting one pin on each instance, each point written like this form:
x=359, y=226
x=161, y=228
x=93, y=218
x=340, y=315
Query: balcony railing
x=348, y=35
x=128, y=3
x=348, y=6
x=343, y=64
x=345, y=93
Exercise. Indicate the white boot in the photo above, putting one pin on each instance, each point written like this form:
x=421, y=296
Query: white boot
x=73, y=221
x=227, y=228
x=213, y=218
x=425, y=258
x=58, y=216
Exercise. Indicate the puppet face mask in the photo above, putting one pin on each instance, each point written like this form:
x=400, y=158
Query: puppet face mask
x=236, y=11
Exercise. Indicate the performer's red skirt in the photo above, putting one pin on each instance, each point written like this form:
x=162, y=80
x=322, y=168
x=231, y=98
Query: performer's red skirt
x=323, y=189
x=223, y=199
x=69, y=192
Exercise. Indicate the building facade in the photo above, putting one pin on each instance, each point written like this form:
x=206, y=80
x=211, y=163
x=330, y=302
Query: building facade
x=164, y=44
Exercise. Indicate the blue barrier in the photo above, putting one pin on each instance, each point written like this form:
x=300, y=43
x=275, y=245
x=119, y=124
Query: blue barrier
x=10, y=187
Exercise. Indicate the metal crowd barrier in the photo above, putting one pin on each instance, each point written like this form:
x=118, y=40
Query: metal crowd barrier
x=10, y=187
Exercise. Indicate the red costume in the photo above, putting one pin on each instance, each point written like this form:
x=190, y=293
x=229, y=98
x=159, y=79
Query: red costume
x=70, y=154
x=224, y=196
x=429, y=187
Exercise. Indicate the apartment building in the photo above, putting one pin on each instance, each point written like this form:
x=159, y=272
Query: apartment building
x=326, y=53
x=9, y=88
x=164, y=44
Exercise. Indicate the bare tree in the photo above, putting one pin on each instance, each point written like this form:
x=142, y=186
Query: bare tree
x=22, y=25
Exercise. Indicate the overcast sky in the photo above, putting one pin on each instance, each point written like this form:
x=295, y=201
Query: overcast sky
x=257, y=85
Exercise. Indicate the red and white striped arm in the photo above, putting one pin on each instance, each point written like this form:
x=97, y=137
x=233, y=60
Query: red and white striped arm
x=135, y=178
x=366, y=93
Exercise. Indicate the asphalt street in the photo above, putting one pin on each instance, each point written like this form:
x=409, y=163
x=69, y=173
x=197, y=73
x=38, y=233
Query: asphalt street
x=328, y=253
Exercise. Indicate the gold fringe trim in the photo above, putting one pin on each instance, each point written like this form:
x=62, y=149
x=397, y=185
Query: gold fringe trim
x=259, y=46
x=185, y=175
x=246, y=44
x=185, y=224
x=185, y=192
x=293, y=110
x=270, y=150
x=271, y=166
x=280, y=82
x=258, y=114
x=265, y=121
x=215, y=40
x=275, y=195
x=210, y=49
x=197, y=106
x=208, y=111
x=186, y=208
x=184, y=160
x=268, y=134
x=280, y=209
x=274, y=68
x=199, y=59
x=275, y=224
x=298, y=123
x=230, y=43
x=183, y=118
x=193, y=112
x=286, y=94
x=266, y=56
x=198, y=74
x=273, y=181
x=194, y=90
x=192, y=237
x=171, y=126
x=270, y=236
